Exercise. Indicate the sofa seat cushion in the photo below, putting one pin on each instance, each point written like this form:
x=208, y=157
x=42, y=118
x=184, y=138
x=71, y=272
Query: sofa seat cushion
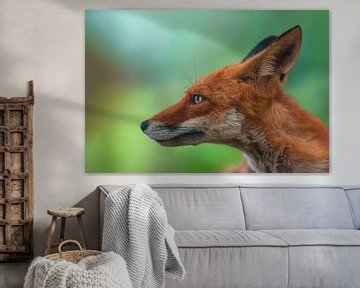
x=226, y=238
x=231, y=258
x=322, y=258
x=317, y=237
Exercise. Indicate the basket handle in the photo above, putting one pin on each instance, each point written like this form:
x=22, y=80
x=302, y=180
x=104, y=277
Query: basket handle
x=69, y=241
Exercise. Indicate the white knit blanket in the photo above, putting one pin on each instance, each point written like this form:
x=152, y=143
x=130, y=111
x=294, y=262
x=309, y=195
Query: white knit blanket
x=103, y=271
x=136, y=227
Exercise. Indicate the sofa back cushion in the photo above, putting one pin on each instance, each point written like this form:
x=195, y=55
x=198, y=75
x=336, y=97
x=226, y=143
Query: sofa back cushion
x=202, y=207
x=354, y=198
x=296, y=208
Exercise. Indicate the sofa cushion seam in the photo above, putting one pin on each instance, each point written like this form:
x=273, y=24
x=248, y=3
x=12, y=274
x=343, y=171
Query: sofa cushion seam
x=288, y=266
x=349, y=189
x=351, y=210
x=233, y=246
x=243, y=209
x=279, y=246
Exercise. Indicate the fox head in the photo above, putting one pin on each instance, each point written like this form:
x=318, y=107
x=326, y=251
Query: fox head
x=223, y=105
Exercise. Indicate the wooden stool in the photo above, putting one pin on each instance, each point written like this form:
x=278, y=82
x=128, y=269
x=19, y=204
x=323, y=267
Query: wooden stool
x=64, y=213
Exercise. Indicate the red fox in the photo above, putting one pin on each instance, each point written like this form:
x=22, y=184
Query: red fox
x=243, y=105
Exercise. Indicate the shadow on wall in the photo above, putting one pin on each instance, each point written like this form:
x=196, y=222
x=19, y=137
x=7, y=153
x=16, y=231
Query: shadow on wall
x=54, y=157
x=58, y=117
x=63, y=168
x=227, y=39
x=91, y=219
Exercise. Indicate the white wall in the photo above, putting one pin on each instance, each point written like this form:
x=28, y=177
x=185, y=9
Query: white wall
x=44, y=41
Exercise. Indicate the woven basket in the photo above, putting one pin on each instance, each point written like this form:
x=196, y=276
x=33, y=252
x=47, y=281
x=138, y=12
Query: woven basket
x=72, y=256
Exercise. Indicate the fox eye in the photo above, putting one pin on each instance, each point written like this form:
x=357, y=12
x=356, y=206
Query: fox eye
x=197, y=98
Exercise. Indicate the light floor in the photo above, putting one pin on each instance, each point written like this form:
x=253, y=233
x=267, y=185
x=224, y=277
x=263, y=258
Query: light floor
x=12, y=274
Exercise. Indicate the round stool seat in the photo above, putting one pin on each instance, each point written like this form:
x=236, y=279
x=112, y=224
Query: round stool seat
x=66, y=211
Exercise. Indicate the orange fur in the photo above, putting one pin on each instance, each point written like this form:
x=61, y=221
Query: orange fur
x=275, y=133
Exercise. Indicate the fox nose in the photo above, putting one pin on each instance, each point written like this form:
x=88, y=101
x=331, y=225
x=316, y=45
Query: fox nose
x=144, y=125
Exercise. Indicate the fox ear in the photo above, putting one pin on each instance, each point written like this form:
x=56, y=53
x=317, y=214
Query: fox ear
x=262, y=45
x=278, y=55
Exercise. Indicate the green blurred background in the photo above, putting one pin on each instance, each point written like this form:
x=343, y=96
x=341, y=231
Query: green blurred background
x=139, y=62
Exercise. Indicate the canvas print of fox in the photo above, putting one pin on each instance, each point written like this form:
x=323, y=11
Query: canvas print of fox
x=244, y=105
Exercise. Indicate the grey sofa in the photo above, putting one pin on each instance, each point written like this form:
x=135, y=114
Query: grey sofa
x=235, y=236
